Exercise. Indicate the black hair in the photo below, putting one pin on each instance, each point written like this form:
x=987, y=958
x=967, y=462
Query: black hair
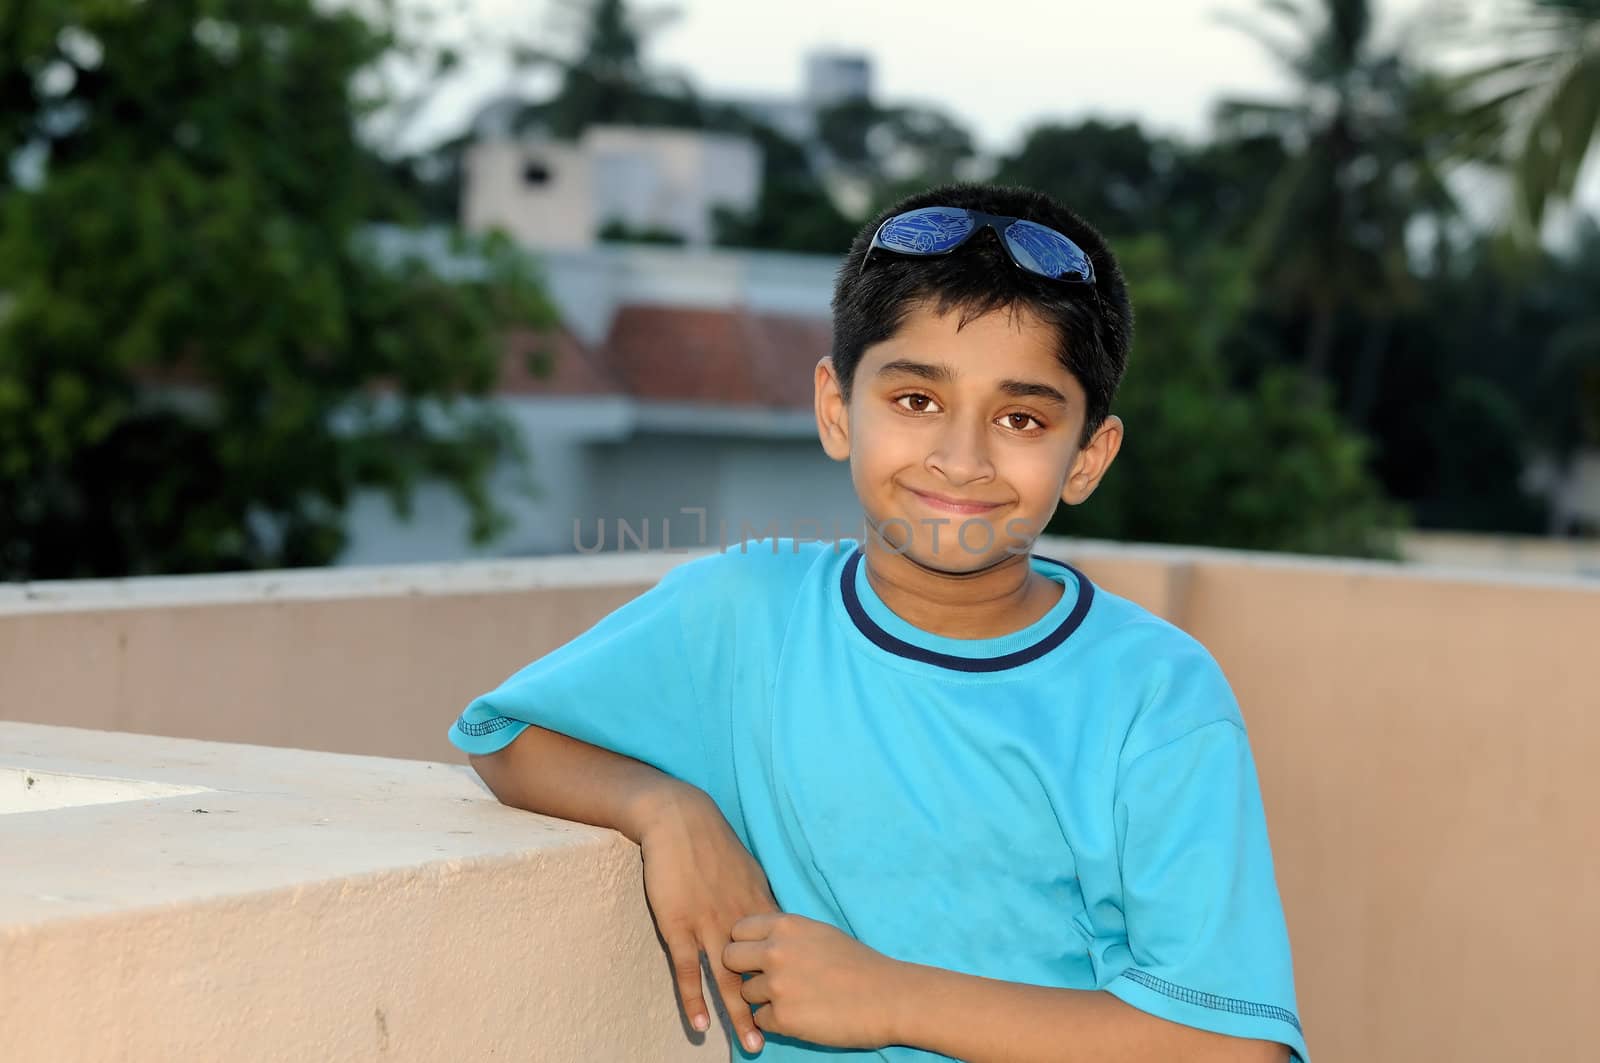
x=1093, y=323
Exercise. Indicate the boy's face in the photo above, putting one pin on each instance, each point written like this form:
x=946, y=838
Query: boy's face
x=961, y=442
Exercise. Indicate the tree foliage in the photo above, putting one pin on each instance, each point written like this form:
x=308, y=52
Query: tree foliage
x=1527, y=337
x=200, y=358
x=1267, y=467
x=200, y=361
x=1306, y=207
x=793, y=212
x=1543, y=96
x=891, y=144
x=1370, y=138
x=1127, y=182
x=603, y=78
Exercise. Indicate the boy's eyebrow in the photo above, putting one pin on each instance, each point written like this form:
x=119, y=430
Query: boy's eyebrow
x=1027, y=389
x=940, y=373
x=935, y=371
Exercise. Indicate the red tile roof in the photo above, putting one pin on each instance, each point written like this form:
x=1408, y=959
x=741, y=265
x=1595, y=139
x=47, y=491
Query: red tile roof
x=573, y=368
x=722, y=357
x=731, y=357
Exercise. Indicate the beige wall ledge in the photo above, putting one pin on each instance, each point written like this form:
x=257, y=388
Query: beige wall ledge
x=1445, y=558
x=321, y=584
x=1426, y=740
x=316, y=906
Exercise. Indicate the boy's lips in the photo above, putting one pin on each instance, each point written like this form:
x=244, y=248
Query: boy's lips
x=965, y=506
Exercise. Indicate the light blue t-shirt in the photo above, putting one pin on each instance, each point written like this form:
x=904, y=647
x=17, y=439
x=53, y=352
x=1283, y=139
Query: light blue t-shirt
x=1073, y=804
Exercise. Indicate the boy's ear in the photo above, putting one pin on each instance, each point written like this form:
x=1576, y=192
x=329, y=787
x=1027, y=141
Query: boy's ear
x=1093, y=461
x=833, y=413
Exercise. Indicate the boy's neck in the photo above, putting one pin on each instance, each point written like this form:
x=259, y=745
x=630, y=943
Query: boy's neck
x=998, y=600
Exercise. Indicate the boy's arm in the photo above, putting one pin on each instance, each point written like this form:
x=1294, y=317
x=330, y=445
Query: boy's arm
x=698, y=877
x=815, y=982
x=625, y=687
x=547, y=772
x=984, y=1020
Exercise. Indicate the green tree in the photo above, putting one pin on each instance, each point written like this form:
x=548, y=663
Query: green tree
x=1571, y=384
x=845, y=130
x=793, y=212
x=1127, y=182
x=603, y=77
x=1369, y=137
x=1492, y=369
x=1112, y=174
x=894, y=144
x=1268, y=467
x=1546, y=94
x=1565, y=388
x=881, y=154
x=619, y=231
x=200, y=357
x=429, y=183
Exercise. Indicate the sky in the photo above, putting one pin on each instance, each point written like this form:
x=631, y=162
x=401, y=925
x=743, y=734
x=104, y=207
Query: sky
x=1165, y=62
x=998, y=65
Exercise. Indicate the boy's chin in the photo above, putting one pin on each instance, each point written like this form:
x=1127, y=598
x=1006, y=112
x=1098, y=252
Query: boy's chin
x=943, y=549
x=951, y=559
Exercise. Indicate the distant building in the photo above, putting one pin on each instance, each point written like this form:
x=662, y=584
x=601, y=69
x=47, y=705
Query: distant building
x=831, y=78
x=548, y=193
x=680, y=402
x=1572, y=489
x=837, y=77
x=679, y=408
x=558, y=195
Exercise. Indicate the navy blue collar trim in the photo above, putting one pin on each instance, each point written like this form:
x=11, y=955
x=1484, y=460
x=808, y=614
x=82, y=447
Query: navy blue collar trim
x=902, y=648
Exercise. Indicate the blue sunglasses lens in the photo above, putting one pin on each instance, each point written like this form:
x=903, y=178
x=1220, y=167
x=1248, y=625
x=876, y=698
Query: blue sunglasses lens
x=928, y=231
x=1047, y=252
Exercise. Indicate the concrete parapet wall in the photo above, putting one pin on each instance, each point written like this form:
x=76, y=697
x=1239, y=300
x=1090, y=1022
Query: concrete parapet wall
x=1426, y=740
x=311, y=906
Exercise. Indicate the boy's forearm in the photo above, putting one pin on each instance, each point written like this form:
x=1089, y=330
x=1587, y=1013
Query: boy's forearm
x=548, y=772
x=984, y=1020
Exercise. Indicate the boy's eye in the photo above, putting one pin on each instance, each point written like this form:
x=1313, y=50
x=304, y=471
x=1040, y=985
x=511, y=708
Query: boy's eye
x=916, y=403
x=1021, y=421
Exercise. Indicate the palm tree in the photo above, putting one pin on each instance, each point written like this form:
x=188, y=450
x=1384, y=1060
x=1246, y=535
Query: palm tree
x=1546, y=92
x=1367, y=140
x=603, y=77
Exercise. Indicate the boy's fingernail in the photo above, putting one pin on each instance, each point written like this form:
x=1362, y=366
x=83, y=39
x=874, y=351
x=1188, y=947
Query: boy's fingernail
x=752, y=1041
x=700, y=1022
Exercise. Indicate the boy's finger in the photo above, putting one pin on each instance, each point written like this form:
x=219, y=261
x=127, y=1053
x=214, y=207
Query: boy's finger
x=686, y=972
x=744, y=1024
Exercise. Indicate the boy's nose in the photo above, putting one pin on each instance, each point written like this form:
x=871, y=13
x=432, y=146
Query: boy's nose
x=961, y=455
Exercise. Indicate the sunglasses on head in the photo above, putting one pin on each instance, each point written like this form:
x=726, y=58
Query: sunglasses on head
x=940, y=230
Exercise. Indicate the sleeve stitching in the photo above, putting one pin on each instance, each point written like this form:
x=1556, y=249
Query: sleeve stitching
x=1212, y=1000
x=487, y=727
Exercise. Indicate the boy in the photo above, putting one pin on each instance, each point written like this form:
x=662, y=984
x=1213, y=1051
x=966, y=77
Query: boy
x=929, y=796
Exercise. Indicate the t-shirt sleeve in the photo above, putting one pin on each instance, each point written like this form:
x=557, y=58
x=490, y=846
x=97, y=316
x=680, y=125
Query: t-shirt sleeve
x=1207, y=945
x=627, y=685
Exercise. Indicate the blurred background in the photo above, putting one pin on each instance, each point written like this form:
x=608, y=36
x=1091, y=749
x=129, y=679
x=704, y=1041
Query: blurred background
x=305, y=282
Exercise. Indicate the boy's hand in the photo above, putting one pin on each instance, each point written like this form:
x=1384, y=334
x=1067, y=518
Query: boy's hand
x=815, y=982
x=700, y=880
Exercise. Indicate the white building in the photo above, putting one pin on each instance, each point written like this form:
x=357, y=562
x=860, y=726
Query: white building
x=679, y=409
x=554, y=194
x=834, y=77
x=1572, y=488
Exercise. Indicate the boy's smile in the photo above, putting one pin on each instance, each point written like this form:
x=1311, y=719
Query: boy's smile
x=962, y=439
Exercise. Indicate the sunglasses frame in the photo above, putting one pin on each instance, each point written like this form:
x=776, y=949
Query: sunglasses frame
x=996, y=223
